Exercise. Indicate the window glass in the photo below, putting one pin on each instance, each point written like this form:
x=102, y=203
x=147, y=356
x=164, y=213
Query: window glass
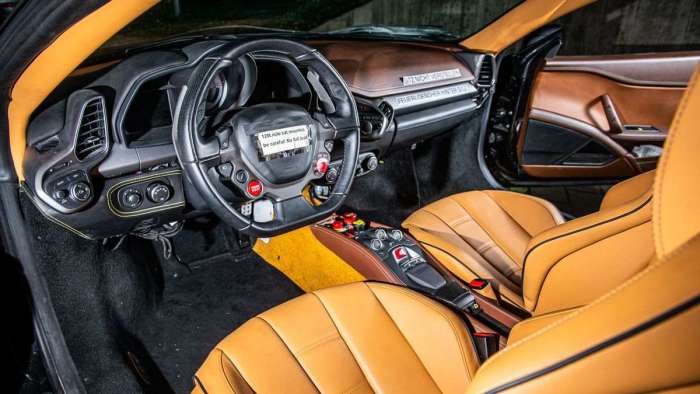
x=431, y=20
x=632, y=26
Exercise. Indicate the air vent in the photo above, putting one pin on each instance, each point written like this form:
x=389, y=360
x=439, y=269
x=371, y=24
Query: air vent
x=92, y=132
x=386, y=110
x=485, y=77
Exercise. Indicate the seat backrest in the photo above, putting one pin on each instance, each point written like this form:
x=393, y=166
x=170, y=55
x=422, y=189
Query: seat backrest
x=644, y=335
x=564, y=268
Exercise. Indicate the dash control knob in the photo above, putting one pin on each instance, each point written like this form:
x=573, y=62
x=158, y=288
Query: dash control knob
x=132, y=198
x=396, y=235
x=80, y=191
x=381, y=234
x=158, y=192
x=332, y=175
x=371, y=163
x=376, y=244
x=59, y=194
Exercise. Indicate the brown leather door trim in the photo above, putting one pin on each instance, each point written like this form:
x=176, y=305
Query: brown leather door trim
x=578, y=95
x=672, y=69
x=617, y=168
x=581, y=127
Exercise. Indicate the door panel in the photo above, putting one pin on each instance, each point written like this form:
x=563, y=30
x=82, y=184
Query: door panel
x=620, y=102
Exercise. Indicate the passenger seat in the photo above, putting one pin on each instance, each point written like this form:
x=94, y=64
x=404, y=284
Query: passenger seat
x=492, y=234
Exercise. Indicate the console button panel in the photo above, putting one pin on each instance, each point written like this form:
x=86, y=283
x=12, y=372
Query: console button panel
x=366, y=163
x=146, y=194
x=72, y=191
x=397, y=251
x=403, y=256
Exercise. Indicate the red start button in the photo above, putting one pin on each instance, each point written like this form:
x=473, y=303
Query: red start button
x=322, y=165
x=254, y=188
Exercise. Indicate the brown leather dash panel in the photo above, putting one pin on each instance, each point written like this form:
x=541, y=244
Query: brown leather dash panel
x=375, y=69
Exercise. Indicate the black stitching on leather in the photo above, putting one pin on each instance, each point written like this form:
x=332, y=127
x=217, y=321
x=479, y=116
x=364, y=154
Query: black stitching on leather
x=648, y=200
x=539, y=290
x=199, y=383
x=603, y=345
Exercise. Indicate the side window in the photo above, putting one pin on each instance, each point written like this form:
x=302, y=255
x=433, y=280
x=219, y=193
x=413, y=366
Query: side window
x=609, y=27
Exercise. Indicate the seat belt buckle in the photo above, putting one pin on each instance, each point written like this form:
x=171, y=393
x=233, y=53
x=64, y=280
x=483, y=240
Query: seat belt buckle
x=487, y=344
x=467, y=303
x=478, y=284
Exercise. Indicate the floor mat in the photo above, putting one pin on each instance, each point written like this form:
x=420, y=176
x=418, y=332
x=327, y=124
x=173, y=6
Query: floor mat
x=306, y=261
x=199, y=308
x=124, y=309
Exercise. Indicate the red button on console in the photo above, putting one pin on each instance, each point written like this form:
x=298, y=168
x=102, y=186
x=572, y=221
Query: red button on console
x=399, y=253
x=254, y=188
x=350, y=217
x=322, y=165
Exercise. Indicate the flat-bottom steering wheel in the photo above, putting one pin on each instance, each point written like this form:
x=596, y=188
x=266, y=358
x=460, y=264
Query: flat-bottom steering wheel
x=280, y=147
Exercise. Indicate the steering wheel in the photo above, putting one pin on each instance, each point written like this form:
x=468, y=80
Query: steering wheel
x=271, y=150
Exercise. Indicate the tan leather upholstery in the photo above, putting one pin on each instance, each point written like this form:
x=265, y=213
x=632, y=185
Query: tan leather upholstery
x=628, y=190
x=649, y=325
x=497, y=234
x=642, y=336
x=677, y=207
x=361, y=337
x=599, y=251
x=483, y=234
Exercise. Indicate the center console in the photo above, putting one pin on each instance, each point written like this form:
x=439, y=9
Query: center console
x=386, y=254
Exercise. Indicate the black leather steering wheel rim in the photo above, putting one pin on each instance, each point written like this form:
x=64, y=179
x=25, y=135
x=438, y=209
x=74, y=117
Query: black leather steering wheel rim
x=194, y=156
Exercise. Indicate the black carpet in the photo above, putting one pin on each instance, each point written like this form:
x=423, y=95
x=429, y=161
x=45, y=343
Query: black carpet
x=135, y=322
x=199, y=308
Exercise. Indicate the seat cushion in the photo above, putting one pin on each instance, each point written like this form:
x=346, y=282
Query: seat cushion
x=483, y=234
x=361, y=337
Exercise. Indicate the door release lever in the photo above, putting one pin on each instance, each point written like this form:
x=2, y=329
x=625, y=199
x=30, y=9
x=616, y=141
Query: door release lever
x=617, y=124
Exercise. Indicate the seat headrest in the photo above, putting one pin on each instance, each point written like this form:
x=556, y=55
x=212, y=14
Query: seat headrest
x=676, y=216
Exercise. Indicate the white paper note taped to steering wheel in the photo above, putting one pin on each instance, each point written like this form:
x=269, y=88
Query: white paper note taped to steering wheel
x=287, y=139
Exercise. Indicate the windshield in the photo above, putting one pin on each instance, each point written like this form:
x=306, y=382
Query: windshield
x=436, y=20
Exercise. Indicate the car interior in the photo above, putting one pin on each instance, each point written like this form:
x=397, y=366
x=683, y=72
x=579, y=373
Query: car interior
x=240, y=210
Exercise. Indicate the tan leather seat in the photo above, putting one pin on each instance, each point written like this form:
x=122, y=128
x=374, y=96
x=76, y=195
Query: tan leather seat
x=642, y=336
x=358, y=338
x=493, y=234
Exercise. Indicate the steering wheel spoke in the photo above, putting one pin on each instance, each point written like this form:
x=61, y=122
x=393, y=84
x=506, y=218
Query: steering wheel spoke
x=344, y=133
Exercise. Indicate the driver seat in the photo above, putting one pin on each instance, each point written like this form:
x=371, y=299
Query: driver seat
x=371, y=337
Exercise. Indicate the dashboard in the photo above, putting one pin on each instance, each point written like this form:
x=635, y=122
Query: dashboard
x=100, y=159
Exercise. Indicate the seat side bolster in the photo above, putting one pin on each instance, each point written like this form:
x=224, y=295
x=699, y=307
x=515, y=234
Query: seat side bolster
x=563, y=256
x=652, y=333
x=628, y=190
x=533, y=324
